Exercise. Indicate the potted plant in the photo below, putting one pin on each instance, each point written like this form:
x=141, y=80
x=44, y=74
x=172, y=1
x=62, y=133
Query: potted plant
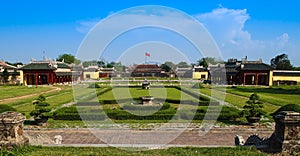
x=253, y=109
x=40, y=113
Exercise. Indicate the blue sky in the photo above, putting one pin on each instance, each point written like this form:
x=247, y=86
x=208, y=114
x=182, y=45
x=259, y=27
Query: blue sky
x=252, y=28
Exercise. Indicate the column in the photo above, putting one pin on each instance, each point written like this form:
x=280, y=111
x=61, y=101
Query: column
x=256, y=79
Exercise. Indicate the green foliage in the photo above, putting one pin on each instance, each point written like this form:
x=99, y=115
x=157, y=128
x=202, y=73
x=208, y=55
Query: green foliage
x=208, y=60
x=168, y=66
x=289, y=107
x=281, y=62
x=183, y=65
x=5, y=75
x=4, y=108
x=112, y=151
x=41, y=110
x=67, y=58
x=71, y=113
x=253, y=107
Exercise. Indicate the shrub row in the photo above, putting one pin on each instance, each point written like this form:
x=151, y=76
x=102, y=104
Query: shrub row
x=4, y=108
x=226, y=114
x=141, y=107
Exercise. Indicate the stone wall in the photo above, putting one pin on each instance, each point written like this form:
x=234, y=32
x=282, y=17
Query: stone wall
x=291, y=144
x=11, y=128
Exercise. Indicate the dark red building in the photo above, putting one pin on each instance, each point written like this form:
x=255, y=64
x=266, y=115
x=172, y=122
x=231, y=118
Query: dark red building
x=46, y=72
x=146, y=70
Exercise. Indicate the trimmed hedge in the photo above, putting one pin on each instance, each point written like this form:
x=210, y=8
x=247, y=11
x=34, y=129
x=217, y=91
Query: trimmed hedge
x=141, y=107
x=4, y=108
x=288, y=107
x=226, y=114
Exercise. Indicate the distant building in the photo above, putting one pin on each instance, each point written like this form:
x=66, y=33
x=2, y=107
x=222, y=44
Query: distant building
x=243, y=72
x=286, y=77
x=13, y=74
x=184, y=72
x=146, y=70
x=107, y=72
x=200, y=73
x=46, y=72
x=254, y=73
x=91, y=73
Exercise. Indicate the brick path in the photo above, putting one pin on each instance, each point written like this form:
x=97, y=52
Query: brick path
x=131, y=138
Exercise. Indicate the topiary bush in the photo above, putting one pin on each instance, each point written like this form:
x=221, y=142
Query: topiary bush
x=41, y=111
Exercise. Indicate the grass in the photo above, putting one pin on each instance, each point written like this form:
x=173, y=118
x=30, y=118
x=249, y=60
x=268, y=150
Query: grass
x=239, y=99
x=278, y=95
x=111, y=151
x=16, y=91
x=137, y=92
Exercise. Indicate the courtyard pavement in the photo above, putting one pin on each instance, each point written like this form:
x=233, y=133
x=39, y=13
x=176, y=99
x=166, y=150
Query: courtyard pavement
x=215, y=137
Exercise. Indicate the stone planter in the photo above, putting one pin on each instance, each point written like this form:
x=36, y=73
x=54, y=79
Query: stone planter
x=147, y=100
x=253, y=119
x=11, y=130
x=41, y=121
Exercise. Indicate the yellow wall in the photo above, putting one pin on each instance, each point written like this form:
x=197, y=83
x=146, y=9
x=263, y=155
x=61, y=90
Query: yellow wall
x=21, y=76
x=197, y=75
x=271, y=78
x=287, y=78
x=93, y=75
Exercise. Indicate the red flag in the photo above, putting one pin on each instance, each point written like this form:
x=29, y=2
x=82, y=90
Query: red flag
x=147, y=54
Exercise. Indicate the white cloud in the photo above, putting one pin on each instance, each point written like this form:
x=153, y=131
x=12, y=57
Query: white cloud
x=227, y=26
x=84, y=26
x=283, y=39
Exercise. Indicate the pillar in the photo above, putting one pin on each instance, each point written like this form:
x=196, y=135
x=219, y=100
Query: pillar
x=291, y=144
x=11, y=127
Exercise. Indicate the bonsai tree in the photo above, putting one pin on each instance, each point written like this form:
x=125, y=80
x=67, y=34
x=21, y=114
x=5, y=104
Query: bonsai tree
x=40, y=112
x=253, y=109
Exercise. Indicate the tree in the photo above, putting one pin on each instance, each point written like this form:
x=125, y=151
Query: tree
x=183, y=65
x=5, y=75
x=253, y=108
x=208, y=60
x=168, y=66
x=119, y=67
x=90, y=63
x=68, y=58
x=281, y=62
x=101, y=63
x=111, y=64
x=41, y=109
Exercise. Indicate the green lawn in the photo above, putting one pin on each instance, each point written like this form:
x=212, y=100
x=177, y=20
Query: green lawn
x=239, y=99
x=16, y=91
x=278, y=95
x=111, y=151
x=137, y=92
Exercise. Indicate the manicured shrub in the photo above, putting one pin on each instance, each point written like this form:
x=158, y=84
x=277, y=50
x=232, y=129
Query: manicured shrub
x=4, y=108
x=288, y=107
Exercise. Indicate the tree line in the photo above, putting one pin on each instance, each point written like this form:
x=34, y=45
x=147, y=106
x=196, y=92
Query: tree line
x=279, y=62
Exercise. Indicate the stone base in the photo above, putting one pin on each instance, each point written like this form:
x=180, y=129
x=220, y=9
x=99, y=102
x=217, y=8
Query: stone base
x=9, y=145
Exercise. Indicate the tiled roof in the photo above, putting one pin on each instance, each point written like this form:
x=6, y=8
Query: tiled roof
x=285, y=73
x=45, y=66
x=5, y=65
x=254, y=66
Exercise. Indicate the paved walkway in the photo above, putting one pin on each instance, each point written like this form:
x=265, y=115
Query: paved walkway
x=217, y=136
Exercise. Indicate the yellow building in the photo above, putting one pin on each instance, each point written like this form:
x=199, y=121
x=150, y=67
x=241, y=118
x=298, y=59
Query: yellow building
x=200, y=73
x=91, y=73
x=286, y=77
x=14, y=75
